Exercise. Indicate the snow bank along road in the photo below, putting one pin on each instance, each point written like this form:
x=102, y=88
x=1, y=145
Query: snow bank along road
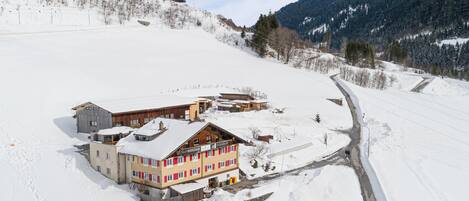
x=371, y=189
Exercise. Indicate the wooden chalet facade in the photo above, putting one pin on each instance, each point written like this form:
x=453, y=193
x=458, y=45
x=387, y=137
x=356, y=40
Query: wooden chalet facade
x=202, y=153
x=92, y=117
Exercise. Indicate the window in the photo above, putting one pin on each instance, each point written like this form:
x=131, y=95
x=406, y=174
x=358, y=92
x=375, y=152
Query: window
x=107, y=155
x=194, y=157
x=180, y=160
x=93, y=123
x=133, y=158
x=97, y=153
x=221, y=164
x=108, y=171
x=146, y=120
x=99, y=168
x=134, y=173
x=209, y=167
x=208, y=139
x=145, y=175
x=170, y=177
x=181, y=175
x=169, y=161
x=194, y=171
x=145, y=162
x=134, y=122
x=171, y=116
x=154, y=163
x=196, y=142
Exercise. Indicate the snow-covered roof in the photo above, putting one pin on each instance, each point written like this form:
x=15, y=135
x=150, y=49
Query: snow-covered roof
x=241, y=101
x=259, y=101
x=187, y=187
x=142, y=103
x=116, y=130
x=176, y=132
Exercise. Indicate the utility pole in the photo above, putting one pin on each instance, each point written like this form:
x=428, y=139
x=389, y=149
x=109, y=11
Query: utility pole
x=19, y=14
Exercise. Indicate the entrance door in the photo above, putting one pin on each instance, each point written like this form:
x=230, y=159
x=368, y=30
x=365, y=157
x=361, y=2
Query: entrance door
x=213, y=182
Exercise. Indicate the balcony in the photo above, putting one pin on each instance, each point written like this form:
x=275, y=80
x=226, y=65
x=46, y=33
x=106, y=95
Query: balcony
x=206, y=147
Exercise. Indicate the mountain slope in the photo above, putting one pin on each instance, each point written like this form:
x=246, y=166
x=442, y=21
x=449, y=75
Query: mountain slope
x=382, y=21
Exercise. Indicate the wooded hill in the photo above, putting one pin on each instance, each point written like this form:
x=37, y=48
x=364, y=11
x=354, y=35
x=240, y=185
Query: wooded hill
x=417, y=24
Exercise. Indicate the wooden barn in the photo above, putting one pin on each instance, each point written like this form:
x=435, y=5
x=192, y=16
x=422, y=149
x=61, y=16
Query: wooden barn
x=135, y=112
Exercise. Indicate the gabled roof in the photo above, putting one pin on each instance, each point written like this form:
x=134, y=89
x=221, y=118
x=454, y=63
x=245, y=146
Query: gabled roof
x=176, y=133
x=139, y=104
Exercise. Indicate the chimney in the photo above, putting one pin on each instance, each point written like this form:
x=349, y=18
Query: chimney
x=162, y=126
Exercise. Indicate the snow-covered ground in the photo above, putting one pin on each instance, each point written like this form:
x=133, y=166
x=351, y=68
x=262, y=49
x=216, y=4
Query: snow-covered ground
x=419, y=145
x=43, y=75
x=336, y=183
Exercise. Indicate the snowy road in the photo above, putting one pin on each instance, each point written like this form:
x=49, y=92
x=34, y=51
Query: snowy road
x=355, y=152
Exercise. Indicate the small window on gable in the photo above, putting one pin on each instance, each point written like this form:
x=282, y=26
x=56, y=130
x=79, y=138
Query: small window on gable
x=196, y=142
x=208, y=139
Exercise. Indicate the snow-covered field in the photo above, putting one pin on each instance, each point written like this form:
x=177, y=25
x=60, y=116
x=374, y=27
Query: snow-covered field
x=419, y=142
x=43, y=75
x=336, y=183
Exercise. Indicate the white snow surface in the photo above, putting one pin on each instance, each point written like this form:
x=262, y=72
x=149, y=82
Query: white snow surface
x=142, y=103
x=418, y=142
x=44, y=74
x=115, y=130
x=330, y=183
x=187, y=187
x=453, y=41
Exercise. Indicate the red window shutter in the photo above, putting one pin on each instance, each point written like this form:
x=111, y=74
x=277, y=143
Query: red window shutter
x=206, y=154
x=165, y=179
x=213, y=152
x=213, y=166
x=149, y=162
x=198, y=170
x=185, y=173
x=227, y=162
x=205, y=168
x=151, y=178
x=185, y=158
x=235, y=161
x=219, y=165
x=226, y=149
x=157, y=163
x=175, y=176
x=141, y=160
x=164, y=163
x=190, y=172
x=219, y=151
x=198, y=155
x=158, y=179
x=175, y=160
x=235, y=147
x=190, y=157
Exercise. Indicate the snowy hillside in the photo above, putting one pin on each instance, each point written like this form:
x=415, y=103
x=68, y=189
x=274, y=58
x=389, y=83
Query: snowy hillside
x=47, y=69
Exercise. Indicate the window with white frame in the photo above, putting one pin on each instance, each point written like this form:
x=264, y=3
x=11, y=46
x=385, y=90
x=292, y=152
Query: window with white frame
x=97, y=153
x=170, y=177
x=134, y=122
x=221, y=164
x=232, y=148
x=208, y=139
x=195, y=157
x=153, y=163
x=93, y=123
x=180, y=160
x=194, y=171
x=209, y=167
x=196, y=142
x=232, y=161
x=145, y=175
x=169, y=162
x=134, y=173
x=181, y=175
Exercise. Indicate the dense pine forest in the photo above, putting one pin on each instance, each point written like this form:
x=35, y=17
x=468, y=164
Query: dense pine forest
x=426, y=30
